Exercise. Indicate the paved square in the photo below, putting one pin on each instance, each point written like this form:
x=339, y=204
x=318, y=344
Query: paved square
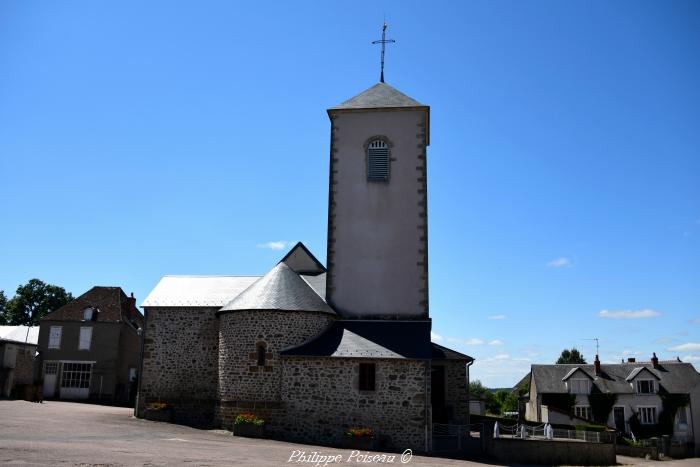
x=65, y=433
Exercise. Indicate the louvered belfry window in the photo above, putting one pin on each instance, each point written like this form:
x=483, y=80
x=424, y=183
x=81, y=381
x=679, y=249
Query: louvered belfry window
x=378, y=161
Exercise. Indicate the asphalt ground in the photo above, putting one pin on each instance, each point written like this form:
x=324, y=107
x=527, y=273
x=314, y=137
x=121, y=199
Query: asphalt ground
x=65, y=433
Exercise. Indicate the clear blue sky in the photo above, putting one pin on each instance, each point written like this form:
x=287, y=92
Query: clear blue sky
x=139, y=139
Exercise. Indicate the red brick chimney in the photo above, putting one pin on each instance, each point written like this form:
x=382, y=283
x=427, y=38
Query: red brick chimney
x=596, y=364
x=655, y=361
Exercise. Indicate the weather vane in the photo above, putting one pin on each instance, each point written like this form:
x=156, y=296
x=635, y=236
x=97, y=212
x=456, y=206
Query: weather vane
x=383, y=41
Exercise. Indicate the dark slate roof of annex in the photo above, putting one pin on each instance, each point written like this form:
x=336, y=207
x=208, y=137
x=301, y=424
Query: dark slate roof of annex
x=443, y=353
x=381, y=95
x=674, y=377
x=280, y=289
x=369, y=339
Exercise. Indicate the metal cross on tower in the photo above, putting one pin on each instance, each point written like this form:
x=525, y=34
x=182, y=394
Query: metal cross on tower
x=383, y=41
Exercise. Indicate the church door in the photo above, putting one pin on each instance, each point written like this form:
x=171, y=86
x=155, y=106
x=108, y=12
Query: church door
x=437, y=394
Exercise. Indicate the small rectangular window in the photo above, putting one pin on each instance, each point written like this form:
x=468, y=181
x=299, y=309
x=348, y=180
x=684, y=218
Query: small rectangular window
x=55, y=337
x=647, y=415
x=85, y=338
x=645, y=386
x=583, y=411
x=367, y=376
x=579, y=386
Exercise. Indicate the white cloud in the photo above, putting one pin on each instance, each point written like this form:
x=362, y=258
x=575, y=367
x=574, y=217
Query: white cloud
x=663, y=340
x=435, y=337
x=276, y=245
x=687, y=347
x=691, y=358
x=496, y=342
x=562, y=262
x=628, y=314
x=695, y=321
x=498, y=317
x=471, y=341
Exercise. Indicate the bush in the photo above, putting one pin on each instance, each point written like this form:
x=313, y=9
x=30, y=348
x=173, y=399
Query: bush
x=247, y=418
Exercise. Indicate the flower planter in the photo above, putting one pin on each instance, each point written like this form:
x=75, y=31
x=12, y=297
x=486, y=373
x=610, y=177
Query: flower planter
x=164, y=415
x=362, y=443
x=249, y=430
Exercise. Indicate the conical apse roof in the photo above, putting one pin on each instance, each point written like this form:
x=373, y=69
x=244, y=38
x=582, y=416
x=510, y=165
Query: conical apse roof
x=280, y=289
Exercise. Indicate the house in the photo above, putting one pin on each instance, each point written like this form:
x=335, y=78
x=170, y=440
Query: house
x=640, y=398
x=17, y=352
x=315, y=350
x=89, y=348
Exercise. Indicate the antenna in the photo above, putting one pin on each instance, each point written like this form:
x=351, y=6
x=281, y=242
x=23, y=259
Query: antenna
x=596, y=344
x=383, y=41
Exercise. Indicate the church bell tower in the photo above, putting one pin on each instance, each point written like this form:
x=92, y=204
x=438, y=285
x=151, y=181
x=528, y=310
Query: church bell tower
x=377, y=210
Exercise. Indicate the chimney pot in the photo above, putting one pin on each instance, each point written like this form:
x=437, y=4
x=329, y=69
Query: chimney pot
x=596, y=364
x=655, y=361
x=631, y=359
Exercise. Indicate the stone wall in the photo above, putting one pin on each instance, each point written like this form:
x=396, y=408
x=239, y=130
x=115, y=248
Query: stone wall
x=321, y=398
x=180, y=362
x=456, y=391
x=243, y=385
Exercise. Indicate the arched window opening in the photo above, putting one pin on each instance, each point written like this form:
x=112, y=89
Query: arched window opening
x=378, y=161
x=262, y=351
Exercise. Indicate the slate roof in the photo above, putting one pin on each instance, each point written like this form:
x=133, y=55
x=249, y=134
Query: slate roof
x=318, y=283
x=443, y=353
x=113, y=305
x=674, y=377
x=280, y=289
x=369, y=339
x=19, y=334
x=381, y=95
x=197, y=291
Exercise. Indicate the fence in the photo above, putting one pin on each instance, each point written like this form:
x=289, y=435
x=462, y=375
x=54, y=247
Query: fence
x=540, y=432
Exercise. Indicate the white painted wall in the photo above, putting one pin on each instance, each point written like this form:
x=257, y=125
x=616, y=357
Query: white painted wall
x=378, y=245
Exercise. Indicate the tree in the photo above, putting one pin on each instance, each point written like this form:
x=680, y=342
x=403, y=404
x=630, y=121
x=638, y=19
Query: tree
x=571, y=356
x=476, y=389
x=33, y=301
x=3, y=305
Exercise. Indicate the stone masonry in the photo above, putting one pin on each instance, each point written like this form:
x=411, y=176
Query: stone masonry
x=322, y=400
x=243, y=385
x=180, y=362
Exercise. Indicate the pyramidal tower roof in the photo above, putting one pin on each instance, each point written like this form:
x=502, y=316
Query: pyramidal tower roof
x=280, y=289
x=381, y=95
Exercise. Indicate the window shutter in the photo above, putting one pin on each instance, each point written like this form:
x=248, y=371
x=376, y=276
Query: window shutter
x=55, y=337
x=378, y=161
x=85, y=338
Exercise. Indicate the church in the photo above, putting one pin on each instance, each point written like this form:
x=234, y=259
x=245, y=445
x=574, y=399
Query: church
x=316, y=350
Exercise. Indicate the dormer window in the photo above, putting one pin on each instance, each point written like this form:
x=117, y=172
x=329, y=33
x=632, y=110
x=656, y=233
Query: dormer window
x=646, y=386
x=88, y=313
x=579, y=386
x=378, y=161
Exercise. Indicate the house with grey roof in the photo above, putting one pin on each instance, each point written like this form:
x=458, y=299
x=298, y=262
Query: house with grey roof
x=315, y=351
x=634, y=398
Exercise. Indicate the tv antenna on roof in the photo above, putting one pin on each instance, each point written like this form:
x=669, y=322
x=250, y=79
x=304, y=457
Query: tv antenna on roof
x=383, y=41
x=596, y=344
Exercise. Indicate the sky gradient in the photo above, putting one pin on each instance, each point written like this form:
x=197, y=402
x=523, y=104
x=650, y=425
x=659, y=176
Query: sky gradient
x=138, y=140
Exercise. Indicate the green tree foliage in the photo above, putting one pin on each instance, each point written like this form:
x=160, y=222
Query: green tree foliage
x=478, y=390
x=601, y=406
x=32, y=302
x=507, y=401
x=571, y=356
x=3, y=305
